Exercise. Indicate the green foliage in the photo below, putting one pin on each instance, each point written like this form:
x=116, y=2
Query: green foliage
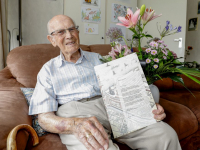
x=168, y=64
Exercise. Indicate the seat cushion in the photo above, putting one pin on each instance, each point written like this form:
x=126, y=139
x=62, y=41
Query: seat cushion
x=47, y=142
x=180, y=118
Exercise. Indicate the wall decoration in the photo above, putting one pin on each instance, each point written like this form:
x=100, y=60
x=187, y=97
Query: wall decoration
x=198, y=9
x=119, y=10
x=89, y=14
x=193, y=24
x=123, y=29
x=91, y=28
x=89, y=3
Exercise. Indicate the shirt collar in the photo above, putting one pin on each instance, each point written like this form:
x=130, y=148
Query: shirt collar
x=61, y=58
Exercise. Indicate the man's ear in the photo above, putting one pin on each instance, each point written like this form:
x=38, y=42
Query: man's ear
x=52, y=40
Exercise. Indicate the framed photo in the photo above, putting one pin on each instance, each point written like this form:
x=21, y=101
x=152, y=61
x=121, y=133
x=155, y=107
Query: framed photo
x=193, y=24
x=198, y=9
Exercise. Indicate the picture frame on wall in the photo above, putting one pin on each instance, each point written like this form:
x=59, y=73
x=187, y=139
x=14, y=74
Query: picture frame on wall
x=198, y=9
x=192, y=24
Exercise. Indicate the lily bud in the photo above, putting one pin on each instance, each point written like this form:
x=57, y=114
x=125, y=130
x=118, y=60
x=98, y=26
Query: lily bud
x=142, y=10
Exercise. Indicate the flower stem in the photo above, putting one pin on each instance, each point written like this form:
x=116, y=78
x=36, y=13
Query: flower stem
x=139, y=40
x=124, y=40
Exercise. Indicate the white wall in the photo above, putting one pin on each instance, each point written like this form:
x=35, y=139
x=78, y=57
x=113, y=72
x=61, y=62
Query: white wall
x=192, y=37
x=35, y=15
x=175, y=12
x=13, y=25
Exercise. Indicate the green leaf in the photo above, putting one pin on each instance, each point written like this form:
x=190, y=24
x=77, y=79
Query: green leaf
x=191, y=77
x=122, y=53
x=176, y=78
x=160, y=66
x=177, y=62
x=135, y=37
x=158, y=76
x=140, y=57
x=133, y=30
x=148, y=35
x=109, y=58
x=140, y=28
x=180, y=80
x=169, y=53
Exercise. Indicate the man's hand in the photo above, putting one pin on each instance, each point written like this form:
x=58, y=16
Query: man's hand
x=91, y=133
x=159, y=114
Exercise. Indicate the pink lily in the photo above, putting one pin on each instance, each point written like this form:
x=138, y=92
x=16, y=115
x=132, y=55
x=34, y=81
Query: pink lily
x=130, y=20
x=148, y=16
x=118, y=48
x=127, y=50
x=112, y=54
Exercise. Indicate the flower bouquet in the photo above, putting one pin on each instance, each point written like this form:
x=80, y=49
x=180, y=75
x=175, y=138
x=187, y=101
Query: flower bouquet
x=160, y=61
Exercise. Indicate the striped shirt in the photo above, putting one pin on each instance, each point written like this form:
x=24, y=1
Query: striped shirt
x=60, y=81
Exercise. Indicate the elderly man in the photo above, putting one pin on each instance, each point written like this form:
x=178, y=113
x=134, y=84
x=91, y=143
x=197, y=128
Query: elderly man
x=68, y=101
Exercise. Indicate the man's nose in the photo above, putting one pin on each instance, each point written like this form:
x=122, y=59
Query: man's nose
x=68, y=34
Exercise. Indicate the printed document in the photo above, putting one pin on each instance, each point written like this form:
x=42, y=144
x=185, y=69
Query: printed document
x=126, y=95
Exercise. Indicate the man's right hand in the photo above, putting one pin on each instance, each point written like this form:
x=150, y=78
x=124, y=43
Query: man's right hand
x=91, y=133
x=88, y=130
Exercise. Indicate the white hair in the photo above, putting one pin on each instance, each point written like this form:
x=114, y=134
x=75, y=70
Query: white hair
x=48, y=25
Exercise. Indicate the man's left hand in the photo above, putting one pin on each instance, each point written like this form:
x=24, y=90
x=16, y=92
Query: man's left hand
x=159, y=114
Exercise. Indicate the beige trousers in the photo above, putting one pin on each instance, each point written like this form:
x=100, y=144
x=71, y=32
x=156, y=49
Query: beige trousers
x=159, y=136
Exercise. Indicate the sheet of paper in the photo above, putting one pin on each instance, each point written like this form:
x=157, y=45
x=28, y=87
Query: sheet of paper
x=118, y=10
x=126, y=94
x=91, y=28
x=89, y=14
x=93, y=3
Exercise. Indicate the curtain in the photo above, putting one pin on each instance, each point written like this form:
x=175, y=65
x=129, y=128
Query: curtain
x=3, y=33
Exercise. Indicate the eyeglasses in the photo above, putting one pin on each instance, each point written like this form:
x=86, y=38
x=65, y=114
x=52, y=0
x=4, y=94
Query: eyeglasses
x=62, y=32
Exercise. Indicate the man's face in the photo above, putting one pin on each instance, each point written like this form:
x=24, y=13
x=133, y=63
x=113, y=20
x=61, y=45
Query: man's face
x=66, y=40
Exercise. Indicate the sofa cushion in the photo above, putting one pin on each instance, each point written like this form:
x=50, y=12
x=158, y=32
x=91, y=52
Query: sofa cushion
x=28, y=92
x=25, y=62
x=102, y=49
x=14, y=111
x=179, y=117
x=185, y=98
x=85, y=47
x=48, y=142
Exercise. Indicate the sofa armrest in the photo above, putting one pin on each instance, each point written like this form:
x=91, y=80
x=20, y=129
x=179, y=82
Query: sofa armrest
x=11, y=140
x=164, y=84
x=7, y=79
x=5, y=74
x=180, y=117
x=189, y=83
x=185, y=98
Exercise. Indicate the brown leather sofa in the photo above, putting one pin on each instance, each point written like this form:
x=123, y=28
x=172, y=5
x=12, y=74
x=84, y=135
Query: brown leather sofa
x=23, y=64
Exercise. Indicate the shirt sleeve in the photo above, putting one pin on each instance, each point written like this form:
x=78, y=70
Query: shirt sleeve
x=98, y=59
x=43, y=98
